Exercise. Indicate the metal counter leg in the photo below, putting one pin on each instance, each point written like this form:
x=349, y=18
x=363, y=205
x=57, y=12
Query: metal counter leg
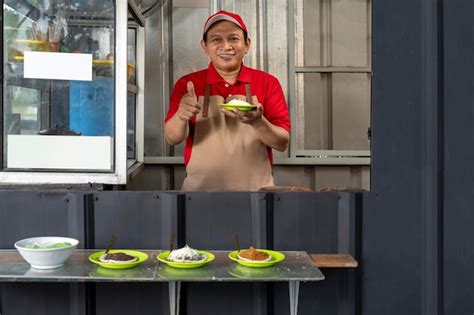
x=294, y=292
x=174, y=288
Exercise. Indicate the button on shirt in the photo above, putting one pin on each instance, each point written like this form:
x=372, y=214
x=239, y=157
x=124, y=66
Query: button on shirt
x=264, y=86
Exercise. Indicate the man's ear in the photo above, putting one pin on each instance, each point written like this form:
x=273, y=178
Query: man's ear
x=247, y=44
x=204, y=46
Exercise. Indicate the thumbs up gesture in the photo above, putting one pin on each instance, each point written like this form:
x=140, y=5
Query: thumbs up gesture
x=189, y=106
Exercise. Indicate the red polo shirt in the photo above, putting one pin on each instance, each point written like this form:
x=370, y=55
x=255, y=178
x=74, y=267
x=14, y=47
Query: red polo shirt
x=263, y=85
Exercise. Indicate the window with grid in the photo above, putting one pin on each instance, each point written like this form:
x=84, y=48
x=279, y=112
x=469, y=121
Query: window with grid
x=330, y=78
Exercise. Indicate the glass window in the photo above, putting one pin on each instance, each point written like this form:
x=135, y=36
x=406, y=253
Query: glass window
x=131, y=55
x=58, y=76
x=331, y=77
x=332, y=111
x=132, y=94
x=332, y=33
x=131, y=128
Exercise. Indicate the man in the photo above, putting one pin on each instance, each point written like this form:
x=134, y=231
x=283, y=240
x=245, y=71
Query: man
x=227, y=149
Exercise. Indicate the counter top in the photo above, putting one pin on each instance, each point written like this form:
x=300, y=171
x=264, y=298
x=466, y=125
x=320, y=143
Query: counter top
x=297, y=266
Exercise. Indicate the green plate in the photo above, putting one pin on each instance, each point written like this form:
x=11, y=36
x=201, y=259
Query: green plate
x=163, y=257
x=276, y=257
x=243, y=108
x=94, y=257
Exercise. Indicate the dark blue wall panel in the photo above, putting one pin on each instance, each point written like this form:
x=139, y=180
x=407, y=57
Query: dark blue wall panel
x=458, y=171
x=391, y=223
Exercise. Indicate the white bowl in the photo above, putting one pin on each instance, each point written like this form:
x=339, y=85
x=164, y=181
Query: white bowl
x=46, y=258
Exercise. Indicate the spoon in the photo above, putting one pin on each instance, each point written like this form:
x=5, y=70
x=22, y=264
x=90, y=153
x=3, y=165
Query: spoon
x=172, y=242
x=112, y=240
x=237, y=243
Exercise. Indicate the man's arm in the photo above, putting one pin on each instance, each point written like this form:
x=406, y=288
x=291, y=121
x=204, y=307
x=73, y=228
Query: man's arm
x=273, y=136
x=177, y=127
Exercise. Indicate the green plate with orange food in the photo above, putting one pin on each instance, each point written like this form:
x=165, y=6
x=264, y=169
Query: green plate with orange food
x=141, y=257
x=275, y=258
x=243, y=108
x=163, y=257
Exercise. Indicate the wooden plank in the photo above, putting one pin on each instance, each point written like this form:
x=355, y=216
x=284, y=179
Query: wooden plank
x=334, y=260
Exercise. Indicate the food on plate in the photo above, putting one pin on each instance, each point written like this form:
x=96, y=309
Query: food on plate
x=117, y=258
x=186, y=254
x=253, y=255
x=238, y=102
x=50, y=246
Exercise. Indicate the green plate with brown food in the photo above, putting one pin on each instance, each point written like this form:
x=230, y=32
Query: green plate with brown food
x=140, y=257
x=163, y=257
x=243, y=108
x=275, y=257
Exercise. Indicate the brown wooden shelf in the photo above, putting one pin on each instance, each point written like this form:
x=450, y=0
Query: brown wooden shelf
x=334, y=260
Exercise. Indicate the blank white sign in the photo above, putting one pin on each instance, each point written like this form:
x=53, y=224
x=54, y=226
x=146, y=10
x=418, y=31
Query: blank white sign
x=60, y=152
x=58, y=66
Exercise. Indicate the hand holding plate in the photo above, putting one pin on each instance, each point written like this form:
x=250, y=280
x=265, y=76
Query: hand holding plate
x=247, y=117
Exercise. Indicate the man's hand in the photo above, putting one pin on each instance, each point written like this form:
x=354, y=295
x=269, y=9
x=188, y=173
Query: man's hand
x=249, y=117
x=273, y=136
x=189, y=106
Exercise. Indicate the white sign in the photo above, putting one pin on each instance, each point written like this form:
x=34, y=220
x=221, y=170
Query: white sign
x=60, y=152
x=58, y=66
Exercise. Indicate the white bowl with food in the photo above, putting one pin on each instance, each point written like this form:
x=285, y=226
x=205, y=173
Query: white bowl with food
x=46, y=252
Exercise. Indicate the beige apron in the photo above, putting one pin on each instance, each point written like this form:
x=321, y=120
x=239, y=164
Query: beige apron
x=226, y=154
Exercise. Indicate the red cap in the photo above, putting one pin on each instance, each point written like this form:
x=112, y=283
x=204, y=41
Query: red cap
x=224, y=15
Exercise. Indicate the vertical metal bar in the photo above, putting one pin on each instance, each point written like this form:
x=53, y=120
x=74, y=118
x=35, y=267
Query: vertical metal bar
x=121, y=27
x=259, y=220
x=259, y=225
x=1, y=298
x=343, y=226
x=78, y=299
x=76, y=217
x=356, y=250
x=299, y=88
x=369, y=34
x=270, y=209
x=291, y=77
x=170, y=215
x=174, y=288
x=431, y=208
x=2, y=123
x=140, y=108
x=329, y=108
x=215, y=5
x=327, y=42
x=262, y=40
x=294, y=290
x=89, y=221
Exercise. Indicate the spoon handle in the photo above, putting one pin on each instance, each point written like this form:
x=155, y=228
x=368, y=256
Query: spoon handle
x=172, y=241
x=237, y=242
x=111, y=242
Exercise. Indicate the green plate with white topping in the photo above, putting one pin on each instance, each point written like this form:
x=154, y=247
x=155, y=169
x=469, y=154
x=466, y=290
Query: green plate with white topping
x=163, y=257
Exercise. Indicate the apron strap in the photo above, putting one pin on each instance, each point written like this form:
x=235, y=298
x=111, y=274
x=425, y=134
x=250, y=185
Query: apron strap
x=248, y=93
x=205, y=105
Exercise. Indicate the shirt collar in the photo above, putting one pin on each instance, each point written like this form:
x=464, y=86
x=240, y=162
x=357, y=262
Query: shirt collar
x=214, y=77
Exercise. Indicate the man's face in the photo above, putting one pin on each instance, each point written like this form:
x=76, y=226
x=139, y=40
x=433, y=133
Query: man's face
x=226, y=46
